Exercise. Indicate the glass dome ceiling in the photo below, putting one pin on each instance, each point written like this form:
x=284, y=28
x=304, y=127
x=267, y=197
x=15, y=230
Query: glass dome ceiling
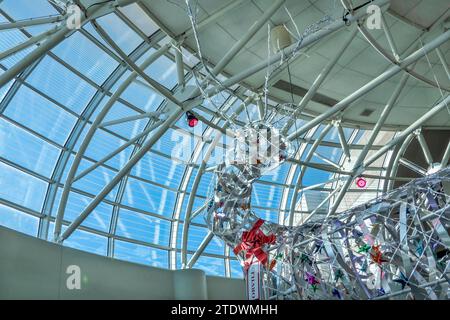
x=47, y=111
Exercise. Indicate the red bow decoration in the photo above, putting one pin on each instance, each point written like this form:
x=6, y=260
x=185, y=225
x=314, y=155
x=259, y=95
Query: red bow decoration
x=252, y=242
x=377, y=256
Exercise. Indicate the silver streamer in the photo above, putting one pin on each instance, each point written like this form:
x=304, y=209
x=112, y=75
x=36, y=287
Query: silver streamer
x=396, y=246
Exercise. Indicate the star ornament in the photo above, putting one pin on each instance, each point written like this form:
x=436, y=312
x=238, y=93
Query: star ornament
x=364, y=266
x=304, y=258
x=336, y=293
x=377, y=256
x=311, y=279
x=364, y=248
x=338, y=274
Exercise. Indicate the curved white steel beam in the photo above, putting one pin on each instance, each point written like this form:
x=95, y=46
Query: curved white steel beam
x=62, y=32
x=392, y=71
x=90, y=134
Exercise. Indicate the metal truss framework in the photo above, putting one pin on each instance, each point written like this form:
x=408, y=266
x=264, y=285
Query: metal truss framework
x=155, y=128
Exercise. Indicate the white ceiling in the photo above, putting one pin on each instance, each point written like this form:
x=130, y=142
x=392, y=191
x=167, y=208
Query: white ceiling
x=359, y=64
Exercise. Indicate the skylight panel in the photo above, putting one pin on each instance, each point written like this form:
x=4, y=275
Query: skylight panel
x=10, y=39
x=138, y=226
x=142, y=97
x=141, y=254
x=212, y=266
x=149, y=197
x=94, y=181
x=159, y=169
x=87, y=241
x=39, y=114
x=85, y=56
x=140, y=19
x=99, y=219
x=118, y=30
x=61, y=85
x=18, y=220
x=21, y=9
x=164, y=71
x=26, y=191
x=27, y=150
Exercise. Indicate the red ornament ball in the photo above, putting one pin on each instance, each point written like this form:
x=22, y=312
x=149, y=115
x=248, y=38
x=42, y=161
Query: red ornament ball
x=192, y=120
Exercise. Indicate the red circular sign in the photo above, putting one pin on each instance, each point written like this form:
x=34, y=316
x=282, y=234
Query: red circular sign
x=361, y=182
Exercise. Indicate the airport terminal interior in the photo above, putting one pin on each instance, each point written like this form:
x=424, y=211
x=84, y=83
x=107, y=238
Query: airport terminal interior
x=225, y=149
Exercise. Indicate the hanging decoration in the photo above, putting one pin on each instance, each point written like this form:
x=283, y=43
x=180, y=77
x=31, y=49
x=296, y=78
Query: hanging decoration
x=191, y=119
x=394, y=247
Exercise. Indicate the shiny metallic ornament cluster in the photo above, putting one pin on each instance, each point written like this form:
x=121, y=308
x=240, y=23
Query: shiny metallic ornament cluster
x=394, y=247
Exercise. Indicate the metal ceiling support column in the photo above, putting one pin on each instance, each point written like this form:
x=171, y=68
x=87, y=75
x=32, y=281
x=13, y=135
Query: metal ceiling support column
x=395, y=162
x=121, y=190
x=140, y=71
x=188, y=216
x=357, y=168
x=180, y=67
x=289, y=50
x=298, y=184
x=261, y=109
x=194, y=188
x=315, y=186
x=319, y=166
x=198, y=211
x=327, y=198
x=248, y=35
x=446, y=156
x=153, y=115
x=26, y=44
x=324, y=159
x=293, y=168
x=30, y=22
x=370, y=39
x=318, y=81
x=343, y=141
x=200, y=249
x=51, y=42
x=212, y=18
x=412, y=166
x=227, y=262
x=443, y=62
x=91, y=132
x=424, y=147
x=392, y=71
x=62, y=32
x=389, y=38
x=440, y=106
x=122, y=172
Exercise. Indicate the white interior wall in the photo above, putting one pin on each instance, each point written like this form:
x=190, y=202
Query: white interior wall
x=31, y=268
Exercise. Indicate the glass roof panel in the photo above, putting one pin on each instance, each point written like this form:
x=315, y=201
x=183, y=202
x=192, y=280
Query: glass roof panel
x=27, y=150
x=86, y=57
x=41, y=115
x=61, y=84
x=150, y=203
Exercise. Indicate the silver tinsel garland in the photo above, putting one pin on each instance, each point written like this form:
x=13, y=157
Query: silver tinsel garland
x=396, y=246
